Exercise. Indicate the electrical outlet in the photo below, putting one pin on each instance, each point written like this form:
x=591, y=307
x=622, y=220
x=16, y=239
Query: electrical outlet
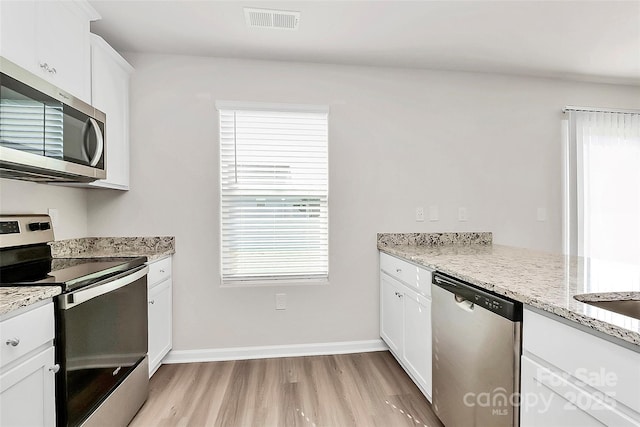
x=462, y=214
x=541, y=214
x=281, y=301
x=419, y=214
x=433, y=213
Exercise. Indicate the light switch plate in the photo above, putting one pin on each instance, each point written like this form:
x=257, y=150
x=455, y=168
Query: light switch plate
x=419, y=214
x=281, y=301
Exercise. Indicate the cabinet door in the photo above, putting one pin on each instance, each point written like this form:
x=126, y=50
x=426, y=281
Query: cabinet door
x=110, y=94
x=391, y=317
x=549, y=399
x=417, y=338
x=159, y=324
x=63, y=51
x=27, y=394
x=18, y=33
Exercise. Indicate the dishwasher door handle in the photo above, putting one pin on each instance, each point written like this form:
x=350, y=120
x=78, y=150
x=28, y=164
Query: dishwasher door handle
x=440, y=281
x=464, y=304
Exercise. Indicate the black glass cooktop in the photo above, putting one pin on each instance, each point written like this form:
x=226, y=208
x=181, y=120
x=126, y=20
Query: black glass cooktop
x=69, y=273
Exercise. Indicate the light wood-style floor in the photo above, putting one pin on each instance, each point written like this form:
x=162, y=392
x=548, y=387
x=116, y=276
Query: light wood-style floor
x=364, y=389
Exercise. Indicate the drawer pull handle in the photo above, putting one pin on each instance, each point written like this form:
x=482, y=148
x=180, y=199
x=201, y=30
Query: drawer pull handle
x=398, y=294
x=152, y=301
x=398, y=270
x=55, y=368
x=13, y=342
x=161, y=271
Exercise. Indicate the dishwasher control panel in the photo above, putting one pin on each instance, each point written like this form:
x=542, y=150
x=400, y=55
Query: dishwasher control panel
x=488, y=303
x=464, y=291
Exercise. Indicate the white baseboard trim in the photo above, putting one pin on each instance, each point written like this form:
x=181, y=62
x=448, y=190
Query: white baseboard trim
x=266, y=352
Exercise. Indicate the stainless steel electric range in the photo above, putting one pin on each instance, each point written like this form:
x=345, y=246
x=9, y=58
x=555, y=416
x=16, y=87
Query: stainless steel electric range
x=101, y=322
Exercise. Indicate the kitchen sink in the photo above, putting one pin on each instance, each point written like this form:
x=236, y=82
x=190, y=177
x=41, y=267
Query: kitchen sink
x=626, y=303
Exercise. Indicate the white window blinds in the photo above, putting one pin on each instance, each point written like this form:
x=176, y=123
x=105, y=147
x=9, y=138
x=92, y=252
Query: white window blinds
x=274, y=194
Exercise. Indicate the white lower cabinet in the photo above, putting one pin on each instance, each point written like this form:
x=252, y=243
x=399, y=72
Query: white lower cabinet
x=552, y=399
x=27, y=392
x=160, y=312
x=391, y=317
x=405, y=317
x=572, y=378
x=27, y=368
x=417, y=337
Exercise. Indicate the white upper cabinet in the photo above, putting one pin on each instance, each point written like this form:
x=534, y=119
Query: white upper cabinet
x=18, y=32
x=110, y=75
x=50, y=39
x=63, y=50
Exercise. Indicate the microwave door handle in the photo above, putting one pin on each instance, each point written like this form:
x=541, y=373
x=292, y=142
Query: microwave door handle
x=85, y=139
x=73, y=299
x=99, y=142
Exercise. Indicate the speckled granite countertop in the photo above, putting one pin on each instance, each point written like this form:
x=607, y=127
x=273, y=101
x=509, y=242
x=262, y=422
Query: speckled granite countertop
x=153, y=248
x=13, y=298
x=542, y=280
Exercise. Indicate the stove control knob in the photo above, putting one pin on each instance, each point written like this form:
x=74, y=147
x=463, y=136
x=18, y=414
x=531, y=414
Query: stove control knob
x=45, y=226
x=34, y=226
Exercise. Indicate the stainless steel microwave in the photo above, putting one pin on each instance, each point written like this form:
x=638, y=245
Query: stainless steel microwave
x=47, y=134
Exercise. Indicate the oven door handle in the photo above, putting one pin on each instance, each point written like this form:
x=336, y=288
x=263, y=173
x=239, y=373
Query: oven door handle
x=73, y=299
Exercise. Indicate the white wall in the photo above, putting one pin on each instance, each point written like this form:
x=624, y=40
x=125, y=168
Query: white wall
x=21, y=197
x=398, y=139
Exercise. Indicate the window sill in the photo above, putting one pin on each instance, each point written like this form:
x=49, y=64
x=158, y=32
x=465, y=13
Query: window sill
x=273, y=283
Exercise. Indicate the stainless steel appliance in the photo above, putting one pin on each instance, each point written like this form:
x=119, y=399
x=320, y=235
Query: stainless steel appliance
x=476, y=355
x=46, y=134
x=101, y=322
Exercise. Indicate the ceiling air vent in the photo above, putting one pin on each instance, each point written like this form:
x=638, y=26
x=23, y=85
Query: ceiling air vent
x=275, y=19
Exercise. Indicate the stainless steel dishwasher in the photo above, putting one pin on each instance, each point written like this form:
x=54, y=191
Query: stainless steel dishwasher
x=476, y=355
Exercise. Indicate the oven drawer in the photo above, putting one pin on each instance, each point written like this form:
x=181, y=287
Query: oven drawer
x=24, y=333
x=159, y=271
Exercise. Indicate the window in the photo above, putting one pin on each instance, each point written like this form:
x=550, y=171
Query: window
x=602, y=207
x=602, y=199
x=274, y=193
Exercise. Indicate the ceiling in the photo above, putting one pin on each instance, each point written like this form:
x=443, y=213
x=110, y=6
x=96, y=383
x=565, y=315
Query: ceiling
x=586, y=40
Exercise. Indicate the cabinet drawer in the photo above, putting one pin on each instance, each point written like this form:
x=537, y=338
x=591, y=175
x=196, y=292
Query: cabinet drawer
x=417, y=278
x=159, y=271
x=605, y=366
x=28, y=331
x=551, y=399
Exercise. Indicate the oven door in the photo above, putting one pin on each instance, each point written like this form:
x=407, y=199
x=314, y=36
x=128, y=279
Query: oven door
x=101, y=335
